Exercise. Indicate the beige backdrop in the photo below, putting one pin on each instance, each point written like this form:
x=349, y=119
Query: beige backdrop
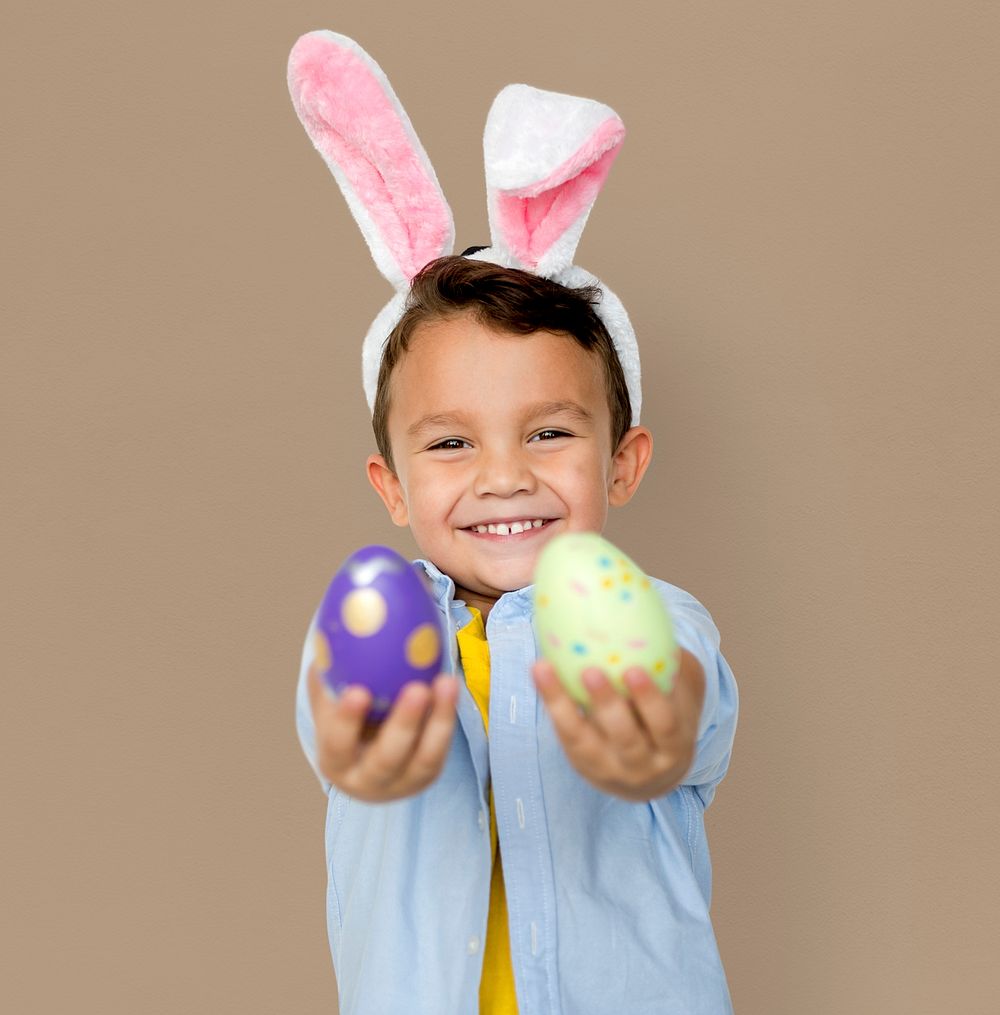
x=804, y=226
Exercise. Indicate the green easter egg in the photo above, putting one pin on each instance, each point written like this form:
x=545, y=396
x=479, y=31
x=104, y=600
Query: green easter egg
x=595, y=607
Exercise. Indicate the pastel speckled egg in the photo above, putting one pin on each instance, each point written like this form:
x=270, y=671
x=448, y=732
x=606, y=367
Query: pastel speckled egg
x=595, y=607
x=377, y=626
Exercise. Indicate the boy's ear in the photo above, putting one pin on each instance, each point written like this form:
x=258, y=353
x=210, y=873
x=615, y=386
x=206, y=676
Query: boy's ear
x=629, y=465
x=389, y=488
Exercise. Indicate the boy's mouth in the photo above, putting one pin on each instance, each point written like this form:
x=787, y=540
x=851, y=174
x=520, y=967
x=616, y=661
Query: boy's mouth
x=508, y=528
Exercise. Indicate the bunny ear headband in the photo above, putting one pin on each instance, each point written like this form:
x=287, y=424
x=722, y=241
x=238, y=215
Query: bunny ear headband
x=547, y=156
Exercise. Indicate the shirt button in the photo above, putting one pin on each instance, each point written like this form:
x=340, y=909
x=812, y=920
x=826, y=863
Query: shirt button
x=482, y=821
x=473, y=945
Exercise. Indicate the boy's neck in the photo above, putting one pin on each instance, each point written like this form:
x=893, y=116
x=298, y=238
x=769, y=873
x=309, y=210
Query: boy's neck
x=481, y=602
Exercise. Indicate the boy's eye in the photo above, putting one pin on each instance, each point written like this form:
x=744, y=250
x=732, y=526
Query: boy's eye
x=449, y=444
x=549, y=434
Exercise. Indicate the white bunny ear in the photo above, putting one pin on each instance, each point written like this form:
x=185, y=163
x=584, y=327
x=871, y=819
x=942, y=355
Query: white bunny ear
x=357, y=124
x=547, y=156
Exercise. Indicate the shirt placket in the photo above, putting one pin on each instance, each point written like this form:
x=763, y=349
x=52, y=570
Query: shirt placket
x=522, y=827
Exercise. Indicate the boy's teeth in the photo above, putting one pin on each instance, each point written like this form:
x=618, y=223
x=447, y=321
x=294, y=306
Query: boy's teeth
x=510, y=528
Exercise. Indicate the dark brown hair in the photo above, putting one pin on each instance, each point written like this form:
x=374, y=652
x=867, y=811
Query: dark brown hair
x=506, y=299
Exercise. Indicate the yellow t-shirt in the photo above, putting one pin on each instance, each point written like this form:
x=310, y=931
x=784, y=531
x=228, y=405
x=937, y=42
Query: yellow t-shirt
x=496, y=986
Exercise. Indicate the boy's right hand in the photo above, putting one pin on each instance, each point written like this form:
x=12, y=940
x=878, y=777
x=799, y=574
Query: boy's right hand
x=398, y=758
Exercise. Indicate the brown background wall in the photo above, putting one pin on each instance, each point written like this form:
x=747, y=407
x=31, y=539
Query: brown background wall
x=804, y=227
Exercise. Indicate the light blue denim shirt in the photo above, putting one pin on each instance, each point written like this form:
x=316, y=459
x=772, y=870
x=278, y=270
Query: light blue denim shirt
x=608, y=900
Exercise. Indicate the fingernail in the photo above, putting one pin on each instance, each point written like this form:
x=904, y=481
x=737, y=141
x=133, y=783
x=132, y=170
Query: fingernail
x=593, y=680
x=352, y=692
x=637, y=679
x=447, y=686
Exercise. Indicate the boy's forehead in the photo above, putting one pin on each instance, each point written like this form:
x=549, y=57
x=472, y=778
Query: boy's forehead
x=458, y=364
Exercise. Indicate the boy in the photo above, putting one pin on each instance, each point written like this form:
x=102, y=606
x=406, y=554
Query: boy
x=531, y=857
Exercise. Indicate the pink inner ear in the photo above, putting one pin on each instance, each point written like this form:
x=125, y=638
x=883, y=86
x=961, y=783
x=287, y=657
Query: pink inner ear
x=532, y=223
x=536, y=209
x=357, y=126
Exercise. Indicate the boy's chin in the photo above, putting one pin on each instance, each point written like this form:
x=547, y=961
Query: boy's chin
x=495, y=585
x=491, y=578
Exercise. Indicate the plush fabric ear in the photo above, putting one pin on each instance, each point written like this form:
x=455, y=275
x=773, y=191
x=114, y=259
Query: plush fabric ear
x=357, y=124
x=547, y=157
x=616, y=320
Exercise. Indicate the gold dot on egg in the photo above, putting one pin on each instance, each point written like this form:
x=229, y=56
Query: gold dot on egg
x=422, y=646
x=645, y=583
x=626, y=577
x=608, y=583
x=363, y=612
x=659, y=666
x=614, y=658
x=543, y=600
x=321, y=650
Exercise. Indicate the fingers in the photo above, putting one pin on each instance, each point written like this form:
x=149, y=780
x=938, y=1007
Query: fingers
x=339, y=723
x=580, y=737
x=411, y=744
x=432, y=748
x=656, y=710
x=396, y=758
x=384, y=759
x=615, y=716
x=629, y=742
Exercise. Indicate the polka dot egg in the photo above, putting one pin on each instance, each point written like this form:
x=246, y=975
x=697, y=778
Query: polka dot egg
x=377, y=626
x=595, y=608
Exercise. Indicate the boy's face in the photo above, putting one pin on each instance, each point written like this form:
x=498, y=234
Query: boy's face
x=501, y=441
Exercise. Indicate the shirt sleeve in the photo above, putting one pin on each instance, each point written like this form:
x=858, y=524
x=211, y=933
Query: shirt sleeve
x=695, y=631
x=304, y=724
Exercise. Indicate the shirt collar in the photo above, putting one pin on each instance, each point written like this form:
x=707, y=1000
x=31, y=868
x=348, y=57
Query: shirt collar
x=442, y=587
x=443, y=592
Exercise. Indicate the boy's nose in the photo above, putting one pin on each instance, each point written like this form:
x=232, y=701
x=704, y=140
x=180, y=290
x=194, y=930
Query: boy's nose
x=503, y=474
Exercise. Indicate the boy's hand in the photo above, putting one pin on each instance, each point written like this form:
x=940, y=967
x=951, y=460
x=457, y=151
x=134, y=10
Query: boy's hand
x=637, y=747
x=397, y=759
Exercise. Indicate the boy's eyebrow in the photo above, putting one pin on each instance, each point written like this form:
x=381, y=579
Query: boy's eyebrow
x=449, y=420
x=572, y=409
x=433, y=421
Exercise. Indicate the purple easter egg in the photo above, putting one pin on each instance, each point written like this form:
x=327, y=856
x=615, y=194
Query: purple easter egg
x=377, y=626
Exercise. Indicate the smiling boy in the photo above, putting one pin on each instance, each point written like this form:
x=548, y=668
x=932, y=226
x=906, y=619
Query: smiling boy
x=532, y=857
x=489, y=431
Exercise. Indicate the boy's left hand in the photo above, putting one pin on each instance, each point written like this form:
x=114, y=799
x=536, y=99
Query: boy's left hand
x=638, y=746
